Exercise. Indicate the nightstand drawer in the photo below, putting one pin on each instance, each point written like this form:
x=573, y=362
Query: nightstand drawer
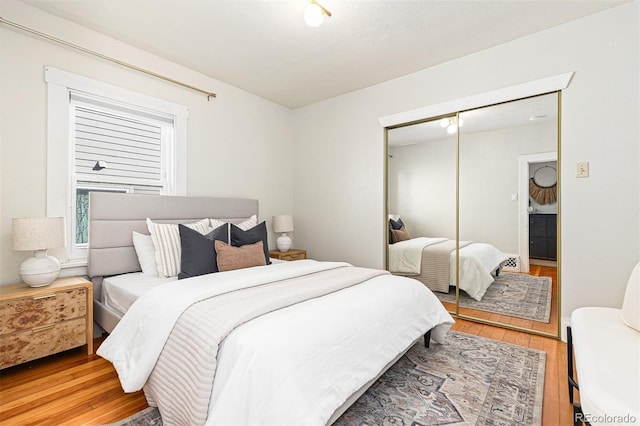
x=292, y=254
x=298, y=256
x=41, y=310
x=23, y=346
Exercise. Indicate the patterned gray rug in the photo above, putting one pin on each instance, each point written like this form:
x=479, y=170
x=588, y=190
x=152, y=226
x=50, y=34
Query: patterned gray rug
x=469, y=380
x=515, y=295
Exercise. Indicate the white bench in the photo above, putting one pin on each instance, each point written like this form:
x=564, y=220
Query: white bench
x=606, y=346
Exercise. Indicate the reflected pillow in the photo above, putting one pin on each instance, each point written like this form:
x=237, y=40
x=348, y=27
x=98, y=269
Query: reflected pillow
x=198, y=255
x=400, y=235
x=246, y=256
x=394, y=224
x=241, y=237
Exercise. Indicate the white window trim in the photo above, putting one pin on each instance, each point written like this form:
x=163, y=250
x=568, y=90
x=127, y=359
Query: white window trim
x=59, y=155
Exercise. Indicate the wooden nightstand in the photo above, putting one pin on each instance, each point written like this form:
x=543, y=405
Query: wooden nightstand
x=40, y=321
x=292, y=254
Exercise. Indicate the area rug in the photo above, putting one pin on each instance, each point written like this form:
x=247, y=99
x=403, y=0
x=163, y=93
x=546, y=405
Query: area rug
x=468, y=380
x=516, y=295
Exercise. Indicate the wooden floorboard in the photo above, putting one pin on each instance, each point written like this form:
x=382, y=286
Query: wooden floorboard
x=75, y=389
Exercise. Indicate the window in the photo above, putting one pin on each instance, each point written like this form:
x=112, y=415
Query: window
x=107, y=139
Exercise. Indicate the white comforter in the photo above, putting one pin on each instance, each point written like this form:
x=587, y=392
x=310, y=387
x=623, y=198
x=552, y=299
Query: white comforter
x=405, y=257
x=477, y=261
x=293, y=366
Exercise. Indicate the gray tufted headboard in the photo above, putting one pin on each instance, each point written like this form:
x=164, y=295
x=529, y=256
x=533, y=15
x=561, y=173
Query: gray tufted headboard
x=113, y=217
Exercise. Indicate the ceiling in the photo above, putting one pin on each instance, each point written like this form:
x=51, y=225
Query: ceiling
x=264, y=46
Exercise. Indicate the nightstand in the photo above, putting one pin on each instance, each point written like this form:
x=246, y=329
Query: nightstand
x=40, y=321
x=292, y=254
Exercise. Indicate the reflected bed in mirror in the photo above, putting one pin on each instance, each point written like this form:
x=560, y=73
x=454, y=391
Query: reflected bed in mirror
x=486, y=178
x=432, y=261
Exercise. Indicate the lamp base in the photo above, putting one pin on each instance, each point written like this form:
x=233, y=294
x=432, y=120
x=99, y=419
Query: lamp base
x=283, y=243
x=39, y=270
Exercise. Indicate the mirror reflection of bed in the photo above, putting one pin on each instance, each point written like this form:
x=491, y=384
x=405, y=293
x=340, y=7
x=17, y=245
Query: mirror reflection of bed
x=503, y=168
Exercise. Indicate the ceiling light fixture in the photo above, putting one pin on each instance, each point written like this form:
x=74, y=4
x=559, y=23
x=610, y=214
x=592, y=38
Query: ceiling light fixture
x=314, y=14
x=450, y=124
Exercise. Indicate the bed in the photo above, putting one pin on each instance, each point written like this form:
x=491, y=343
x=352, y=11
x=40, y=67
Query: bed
x=285, y=343
x=432, y=261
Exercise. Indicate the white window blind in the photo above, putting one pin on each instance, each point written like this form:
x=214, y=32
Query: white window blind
x=116, y=148
x=118, y=145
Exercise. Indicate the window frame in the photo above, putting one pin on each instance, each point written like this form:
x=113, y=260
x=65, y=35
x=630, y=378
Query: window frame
x=61, y=185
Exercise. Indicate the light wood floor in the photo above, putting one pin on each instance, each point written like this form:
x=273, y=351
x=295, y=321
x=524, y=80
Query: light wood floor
x=75, y=389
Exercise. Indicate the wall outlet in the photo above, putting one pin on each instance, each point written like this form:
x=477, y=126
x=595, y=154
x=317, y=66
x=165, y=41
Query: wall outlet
x=582, y=170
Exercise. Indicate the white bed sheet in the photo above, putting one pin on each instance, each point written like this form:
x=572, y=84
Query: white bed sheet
x=120, y=291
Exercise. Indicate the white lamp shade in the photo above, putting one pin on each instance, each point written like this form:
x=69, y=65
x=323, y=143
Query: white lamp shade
x=282, y=223
x=38, y=233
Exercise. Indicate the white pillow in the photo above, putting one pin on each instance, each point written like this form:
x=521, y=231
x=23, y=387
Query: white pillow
x=249, y=223
x=146, y=253
x=166, y=242
x=631, y=302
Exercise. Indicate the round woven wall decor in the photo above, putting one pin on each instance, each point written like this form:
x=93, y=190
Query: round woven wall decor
x=544, y=194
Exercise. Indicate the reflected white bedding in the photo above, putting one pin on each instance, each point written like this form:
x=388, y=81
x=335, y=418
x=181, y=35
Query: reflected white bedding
x=477, y=262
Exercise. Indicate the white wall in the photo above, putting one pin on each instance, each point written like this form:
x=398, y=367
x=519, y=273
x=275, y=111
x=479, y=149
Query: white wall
x=489, y=177
x=239, y=145
x=422, y=187
x=339, y=150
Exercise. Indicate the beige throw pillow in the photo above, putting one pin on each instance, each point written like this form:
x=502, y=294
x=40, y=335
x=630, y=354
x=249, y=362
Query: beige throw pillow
x=230, y=257
x=400, y=234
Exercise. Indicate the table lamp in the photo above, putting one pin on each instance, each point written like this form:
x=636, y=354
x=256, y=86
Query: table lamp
x=38, y=234
x=283, y=224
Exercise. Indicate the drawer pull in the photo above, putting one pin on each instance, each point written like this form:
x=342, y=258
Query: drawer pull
x=42, y=328
x=44, y=296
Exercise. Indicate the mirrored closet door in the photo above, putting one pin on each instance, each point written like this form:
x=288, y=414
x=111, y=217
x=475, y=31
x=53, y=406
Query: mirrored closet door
x=480, y=189
x=421, y=191
x=508, y=209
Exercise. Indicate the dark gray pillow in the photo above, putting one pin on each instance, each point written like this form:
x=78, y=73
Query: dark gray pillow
x=198, y=255
x=251, y=236
x=394, y=225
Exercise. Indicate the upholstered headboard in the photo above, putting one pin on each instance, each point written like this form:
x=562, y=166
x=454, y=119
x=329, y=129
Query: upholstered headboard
x=113, y=217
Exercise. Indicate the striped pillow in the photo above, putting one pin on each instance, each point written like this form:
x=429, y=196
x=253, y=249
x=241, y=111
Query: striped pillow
x=166, y=242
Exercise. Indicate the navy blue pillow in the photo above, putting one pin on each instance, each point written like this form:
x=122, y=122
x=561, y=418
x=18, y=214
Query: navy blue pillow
x=198, y=255
x=251, y=236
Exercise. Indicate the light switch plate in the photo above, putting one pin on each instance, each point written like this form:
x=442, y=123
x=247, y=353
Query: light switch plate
x=582, y=169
